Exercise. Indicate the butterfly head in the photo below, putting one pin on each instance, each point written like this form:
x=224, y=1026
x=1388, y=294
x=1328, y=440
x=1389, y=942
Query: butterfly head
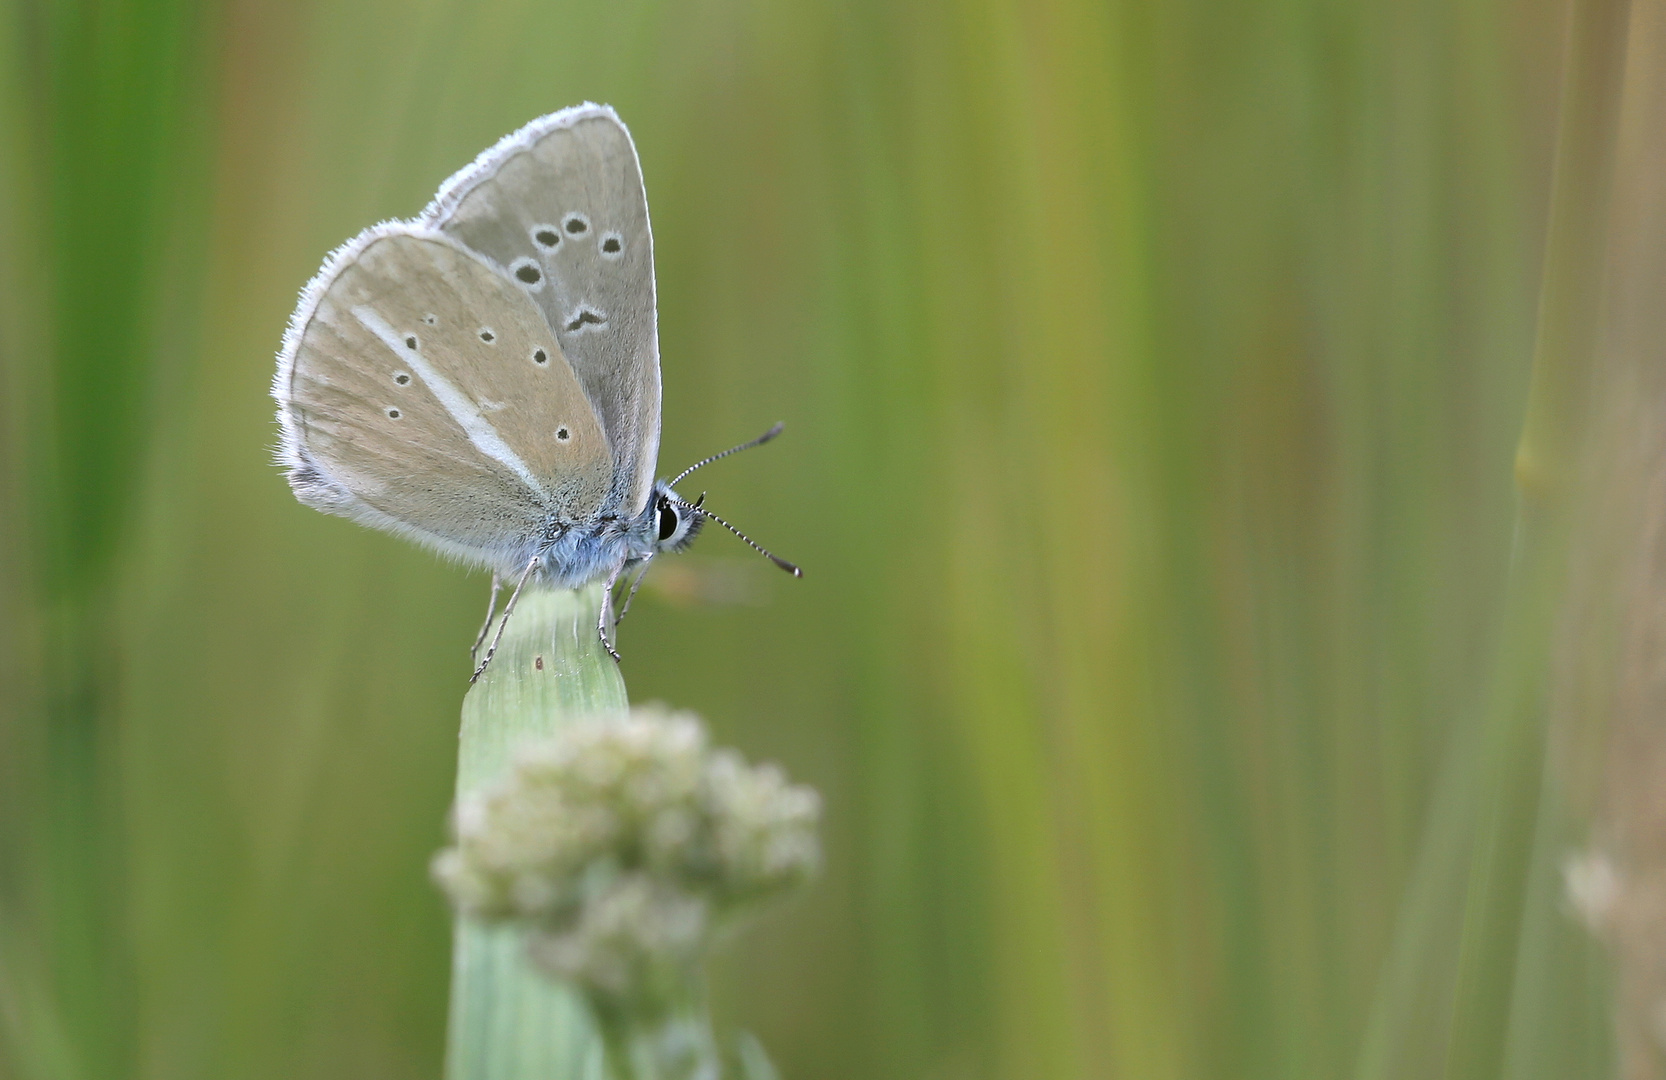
x=676, y=521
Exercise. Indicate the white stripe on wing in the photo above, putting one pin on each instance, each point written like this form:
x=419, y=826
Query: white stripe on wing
x=467, y=414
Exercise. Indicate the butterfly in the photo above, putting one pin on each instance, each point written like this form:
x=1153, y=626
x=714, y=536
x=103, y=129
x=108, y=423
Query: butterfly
x=484, y=378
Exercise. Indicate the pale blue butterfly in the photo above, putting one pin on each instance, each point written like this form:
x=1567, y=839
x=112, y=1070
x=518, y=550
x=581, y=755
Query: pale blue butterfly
x=484, y=379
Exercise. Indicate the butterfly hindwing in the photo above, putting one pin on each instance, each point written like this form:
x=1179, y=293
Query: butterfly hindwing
x=422, y=391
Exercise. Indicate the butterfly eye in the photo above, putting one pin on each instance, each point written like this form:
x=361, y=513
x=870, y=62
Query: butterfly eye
x=667, y=520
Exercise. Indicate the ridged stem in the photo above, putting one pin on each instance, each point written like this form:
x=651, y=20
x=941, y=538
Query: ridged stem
x=673, y=1043
x=508, y=1020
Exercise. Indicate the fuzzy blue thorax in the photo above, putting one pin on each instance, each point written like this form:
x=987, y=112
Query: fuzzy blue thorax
x=572, y=555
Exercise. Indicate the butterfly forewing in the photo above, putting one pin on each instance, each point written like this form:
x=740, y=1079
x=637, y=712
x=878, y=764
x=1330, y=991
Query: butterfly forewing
x=560, y=206
x=425, y=393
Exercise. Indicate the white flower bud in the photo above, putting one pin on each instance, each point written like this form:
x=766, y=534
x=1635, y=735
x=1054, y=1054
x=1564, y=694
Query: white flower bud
x=623, y=843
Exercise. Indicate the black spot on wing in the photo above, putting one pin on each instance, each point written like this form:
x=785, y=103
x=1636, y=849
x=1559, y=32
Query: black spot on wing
x=586, y=317
x=527, y=271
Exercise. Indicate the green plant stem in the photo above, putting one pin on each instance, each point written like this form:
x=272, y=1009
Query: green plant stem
x=508, y=1020
x=1548, y=459
x=675, y=1043
x=1494, y=826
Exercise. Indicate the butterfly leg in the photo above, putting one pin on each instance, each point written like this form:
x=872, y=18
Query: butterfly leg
x=604, y=618
x=631, y=595
x=491, y=609
x=508, y=610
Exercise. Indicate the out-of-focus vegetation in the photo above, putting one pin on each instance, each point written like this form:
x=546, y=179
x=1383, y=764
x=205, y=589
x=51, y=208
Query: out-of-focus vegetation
x=1191, y=694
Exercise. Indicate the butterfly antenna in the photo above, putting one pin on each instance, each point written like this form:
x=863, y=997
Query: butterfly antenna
x=753, y=544
x=759, y=441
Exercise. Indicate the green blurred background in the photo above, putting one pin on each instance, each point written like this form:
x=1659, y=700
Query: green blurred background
x=1152, y=372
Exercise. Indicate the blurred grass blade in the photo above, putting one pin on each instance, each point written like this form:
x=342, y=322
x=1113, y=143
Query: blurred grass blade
x=1511, y=771
x=107, y=142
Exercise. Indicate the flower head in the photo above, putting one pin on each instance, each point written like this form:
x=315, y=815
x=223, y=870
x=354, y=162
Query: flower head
x=624, y=843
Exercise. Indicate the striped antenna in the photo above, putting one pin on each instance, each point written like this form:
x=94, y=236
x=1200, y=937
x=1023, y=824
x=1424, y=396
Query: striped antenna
x=753, y=544
x=759, y=441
